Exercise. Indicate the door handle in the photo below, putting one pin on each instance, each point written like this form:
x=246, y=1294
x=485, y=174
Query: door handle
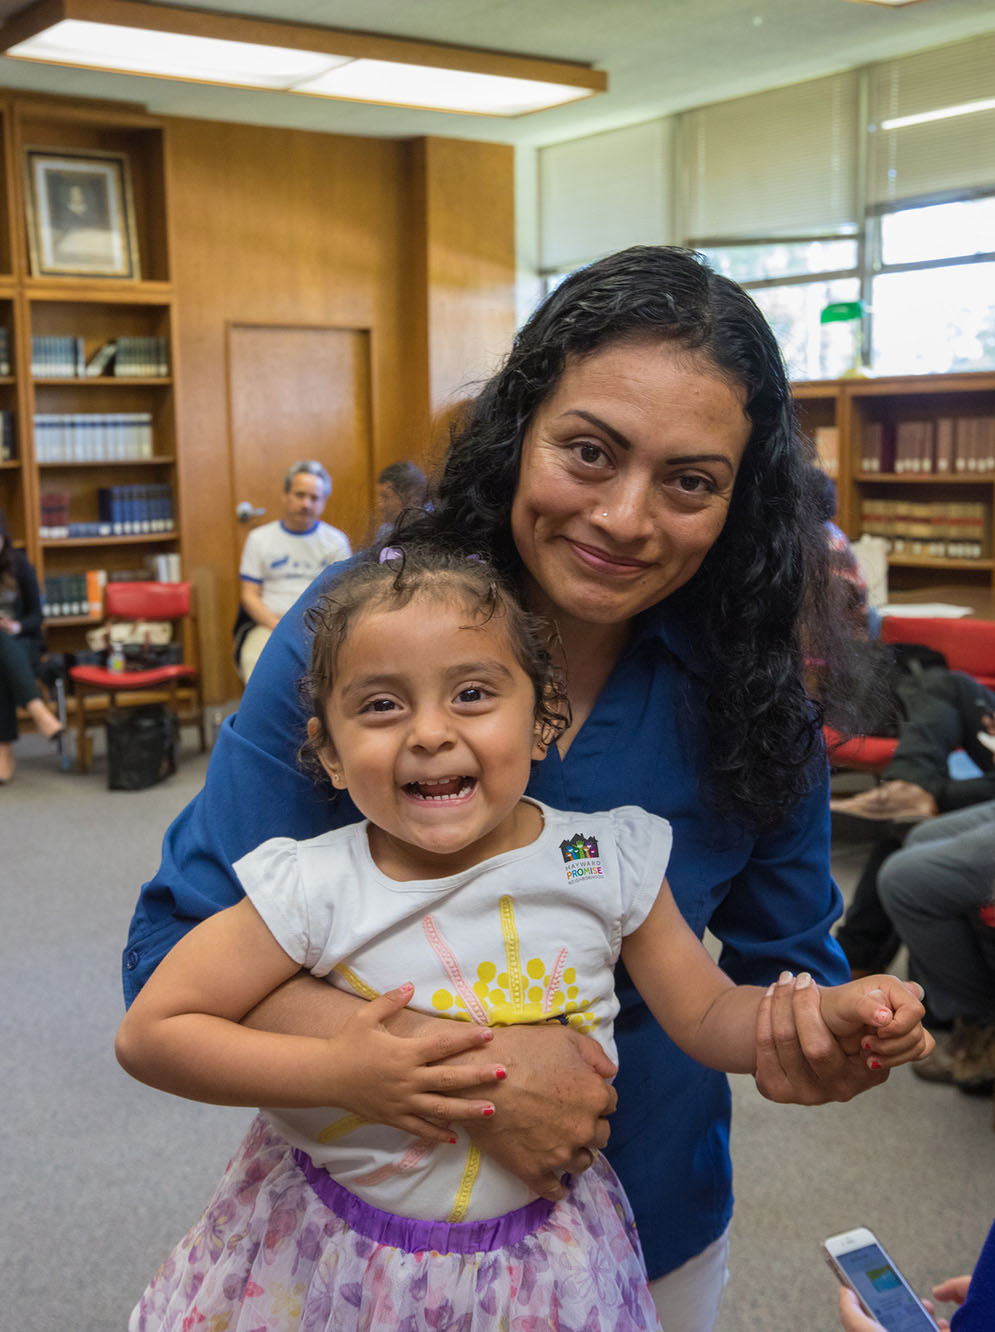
x=245, y=512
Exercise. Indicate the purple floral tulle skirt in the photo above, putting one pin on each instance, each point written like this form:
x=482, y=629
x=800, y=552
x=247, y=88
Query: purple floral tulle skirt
x=282, y=1248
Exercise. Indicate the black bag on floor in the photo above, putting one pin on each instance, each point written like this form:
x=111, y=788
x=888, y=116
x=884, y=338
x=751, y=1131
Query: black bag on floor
x=141, y=746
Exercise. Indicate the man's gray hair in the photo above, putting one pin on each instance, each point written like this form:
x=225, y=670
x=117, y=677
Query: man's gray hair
x=312, y=468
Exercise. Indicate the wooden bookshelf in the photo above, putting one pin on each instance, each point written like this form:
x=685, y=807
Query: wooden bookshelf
x=891, y=434
x=50, y=454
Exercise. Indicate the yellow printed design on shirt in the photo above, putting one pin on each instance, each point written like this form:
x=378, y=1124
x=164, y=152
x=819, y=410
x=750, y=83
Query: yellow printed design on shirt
x=533, y=991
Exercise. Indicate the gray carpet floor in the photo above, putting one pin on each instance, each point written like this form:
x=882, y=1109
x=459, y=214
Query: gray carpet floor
x=102, y=1175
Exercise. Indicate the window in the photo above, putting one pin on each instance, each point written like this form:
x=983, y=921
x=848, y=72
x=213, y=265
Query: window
x=933, y=291
x=792, y=281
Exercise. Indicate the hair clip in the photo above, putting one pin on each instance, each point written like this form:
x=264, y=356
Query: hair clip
x=391, y=553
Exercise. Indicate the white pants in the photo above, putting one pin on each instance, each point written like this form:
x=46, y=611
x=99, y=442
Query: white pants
x=688, y=1298
x=252, y=644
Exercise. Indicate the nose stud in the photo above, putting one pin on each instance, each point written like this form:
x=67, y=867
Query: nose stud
x=605, y=514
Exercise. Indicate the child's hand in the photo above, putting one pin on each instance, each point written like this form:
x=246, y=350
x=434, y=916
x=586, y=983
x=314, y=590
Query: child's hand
x=887, y=1015
x=394, y=1080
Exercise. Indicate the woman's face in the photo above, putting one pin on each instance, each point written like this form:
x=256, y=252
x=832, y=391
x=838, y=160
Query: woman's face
x=626, y=477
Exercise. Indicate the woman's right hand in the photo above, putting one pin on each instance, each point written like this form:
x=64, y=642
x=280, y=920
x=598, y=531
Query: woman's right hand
x=551, y=1111
x=398, y=1080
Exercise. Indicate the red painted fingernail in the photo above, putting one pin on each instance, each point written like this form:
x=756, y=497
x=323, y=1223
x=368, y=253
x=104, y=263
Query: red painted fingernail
x=865, y=1045
x=874, y=1063
x=453, y=1139
x=500, y=1074
x=487, y=1111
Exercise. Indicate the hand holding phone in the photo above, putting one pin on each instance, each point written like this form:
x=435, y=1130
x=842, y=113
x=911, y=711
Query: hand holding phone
x=860, y=1262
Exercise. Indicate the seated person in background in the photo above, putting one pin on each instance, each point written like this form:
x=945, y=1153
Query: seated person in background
x=400, y=486
x=20, y=651
x=939, y=892
x=943, y=711
x=280, y=559
x=975, y=1294
x=866, y=621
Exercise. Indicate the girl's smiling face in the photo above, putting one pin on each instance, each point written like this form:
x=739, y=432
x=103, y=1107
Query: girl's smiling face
x=626, y=476
x=433, y=730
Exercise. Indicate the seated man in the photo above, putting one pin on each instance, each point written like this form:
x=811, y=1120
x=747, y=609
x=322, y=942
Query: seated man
x=282, y=558
x=944, y=711
x=939, y=892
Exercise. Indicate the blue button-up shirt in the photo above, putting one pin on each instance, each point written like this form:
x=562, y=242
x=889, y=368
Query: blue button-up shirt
x=769, y=899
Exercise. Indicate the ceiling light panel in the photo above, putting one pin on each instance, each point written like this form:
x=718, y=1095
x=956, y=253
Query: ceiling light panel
x=442, y=89
x=173, y=55
x=203, y=46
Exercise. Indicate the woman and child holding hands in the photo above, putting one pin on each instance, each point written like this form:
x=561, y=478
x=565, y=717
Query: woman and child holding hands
x=608, y=608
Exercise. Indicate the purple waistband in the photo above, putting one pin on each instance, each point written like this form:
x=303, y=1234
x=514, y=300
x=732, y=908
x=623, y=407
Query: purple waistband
x=415, y=1236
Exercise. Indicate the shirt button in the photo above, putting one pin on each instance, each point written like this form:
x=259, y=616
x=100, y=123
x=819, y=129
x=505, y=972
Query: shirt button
x=131, y=961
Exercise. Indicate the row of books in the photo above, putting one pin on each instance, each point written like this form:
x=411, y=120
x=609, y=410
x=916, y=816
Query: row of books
x=947, y=445
x=93, y=437
x=827, y=448
x=133, y=510
x=131, y=357
x=75, y=594
x=935, y=529
x=8, y=438
x=57, y=357
x=64, y=357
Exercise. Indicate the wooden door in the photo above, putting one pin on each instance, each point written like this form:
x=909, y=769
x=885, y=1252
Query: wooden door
x=298, y=393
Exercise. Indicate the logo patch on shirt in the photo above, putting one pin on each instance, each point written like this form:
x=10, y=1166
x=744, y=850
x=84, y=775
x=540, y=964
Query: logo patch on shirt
x=582, y=858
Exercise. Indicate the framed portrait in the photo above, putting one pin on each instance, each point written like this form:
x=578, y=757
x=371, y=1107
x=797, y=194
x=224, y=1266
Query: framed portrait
x=81, y=214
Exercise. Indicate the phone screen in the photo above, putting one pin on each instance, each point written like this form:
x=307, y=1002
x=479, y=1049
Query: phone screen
x=883, y=1290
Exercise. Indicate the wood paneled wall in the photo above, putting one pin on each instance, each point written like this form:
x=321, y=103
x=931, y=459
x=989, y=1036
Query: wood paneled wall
x=413, y=241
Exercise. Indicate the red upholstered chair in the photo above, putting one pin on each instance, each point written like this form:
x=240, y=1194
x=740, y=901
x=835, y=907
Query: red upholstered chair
x=98, y=690
x=967, y=644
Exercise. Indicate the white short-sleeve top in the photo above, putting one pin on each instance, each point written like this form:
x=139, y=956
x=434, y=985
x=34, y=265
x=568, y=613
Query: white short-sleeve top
x=529, y=936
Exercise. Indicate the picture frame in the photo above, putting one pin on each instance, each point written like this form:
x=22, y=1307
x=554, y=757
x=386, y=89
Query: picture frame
x=80, y=214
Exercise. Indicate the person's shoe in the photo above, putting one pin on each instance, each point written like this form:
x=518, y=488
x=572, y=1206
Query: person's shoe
x=974, y=1062
x=938, y=1065
x=897, y=801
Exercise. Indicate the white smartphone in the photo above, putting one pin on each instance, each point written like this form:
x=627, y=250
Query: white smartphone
x=859, y=1261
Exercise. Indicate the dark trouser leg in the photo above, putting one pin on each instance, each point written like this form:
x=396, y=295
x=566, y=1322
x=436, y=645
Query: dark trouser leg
x=866, y=933
x=932, y=890
x=18, y=685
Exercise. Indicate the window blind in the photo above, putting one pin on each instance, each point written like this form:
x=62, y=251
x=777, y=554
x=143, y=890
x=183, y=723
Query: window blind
x=776, y=163
x=955, y=153
x=604, y=193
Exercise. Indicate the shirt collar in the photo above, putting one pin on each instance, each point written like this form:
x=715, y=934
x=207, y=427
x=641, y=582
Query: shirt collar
x=667, y=623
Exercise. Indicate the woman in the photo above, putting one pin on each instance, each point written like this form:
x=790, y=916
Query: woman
x=20, y=651
x=636, y=469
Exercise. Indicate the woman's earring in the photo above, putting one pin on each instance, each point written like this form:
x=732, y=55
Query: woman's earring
x=605, y=514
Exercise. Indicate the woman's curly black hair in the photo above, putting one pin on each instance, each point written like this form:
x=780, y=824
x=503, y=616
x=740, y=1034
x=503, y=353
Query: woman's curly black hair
x=764, y=602
x=389, y=580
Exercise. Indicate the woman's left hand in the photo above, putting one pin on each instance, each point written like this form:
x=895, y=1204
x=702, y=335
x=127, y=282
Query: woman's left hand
x=799, y=1060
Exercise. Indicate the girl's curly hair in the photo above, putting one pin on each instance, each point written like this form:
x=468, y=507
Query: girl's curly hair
x=390, y=580
x=764, y=602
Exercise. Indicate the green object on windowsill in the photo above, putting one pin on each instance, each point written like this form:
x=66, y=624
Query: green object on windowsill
x=844, y=344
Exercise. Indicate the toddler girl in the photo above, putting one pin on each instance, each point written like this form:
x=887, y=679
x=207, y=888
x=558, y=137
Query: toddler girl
x=431, y=691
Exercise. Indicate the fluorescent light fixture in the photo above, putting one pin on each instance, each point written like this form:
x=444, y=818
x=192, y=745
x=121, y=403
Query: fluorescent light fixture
x=172, y=55
x=888, y=4
x=443, y=89
x=198, y=46
x=942, y=113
